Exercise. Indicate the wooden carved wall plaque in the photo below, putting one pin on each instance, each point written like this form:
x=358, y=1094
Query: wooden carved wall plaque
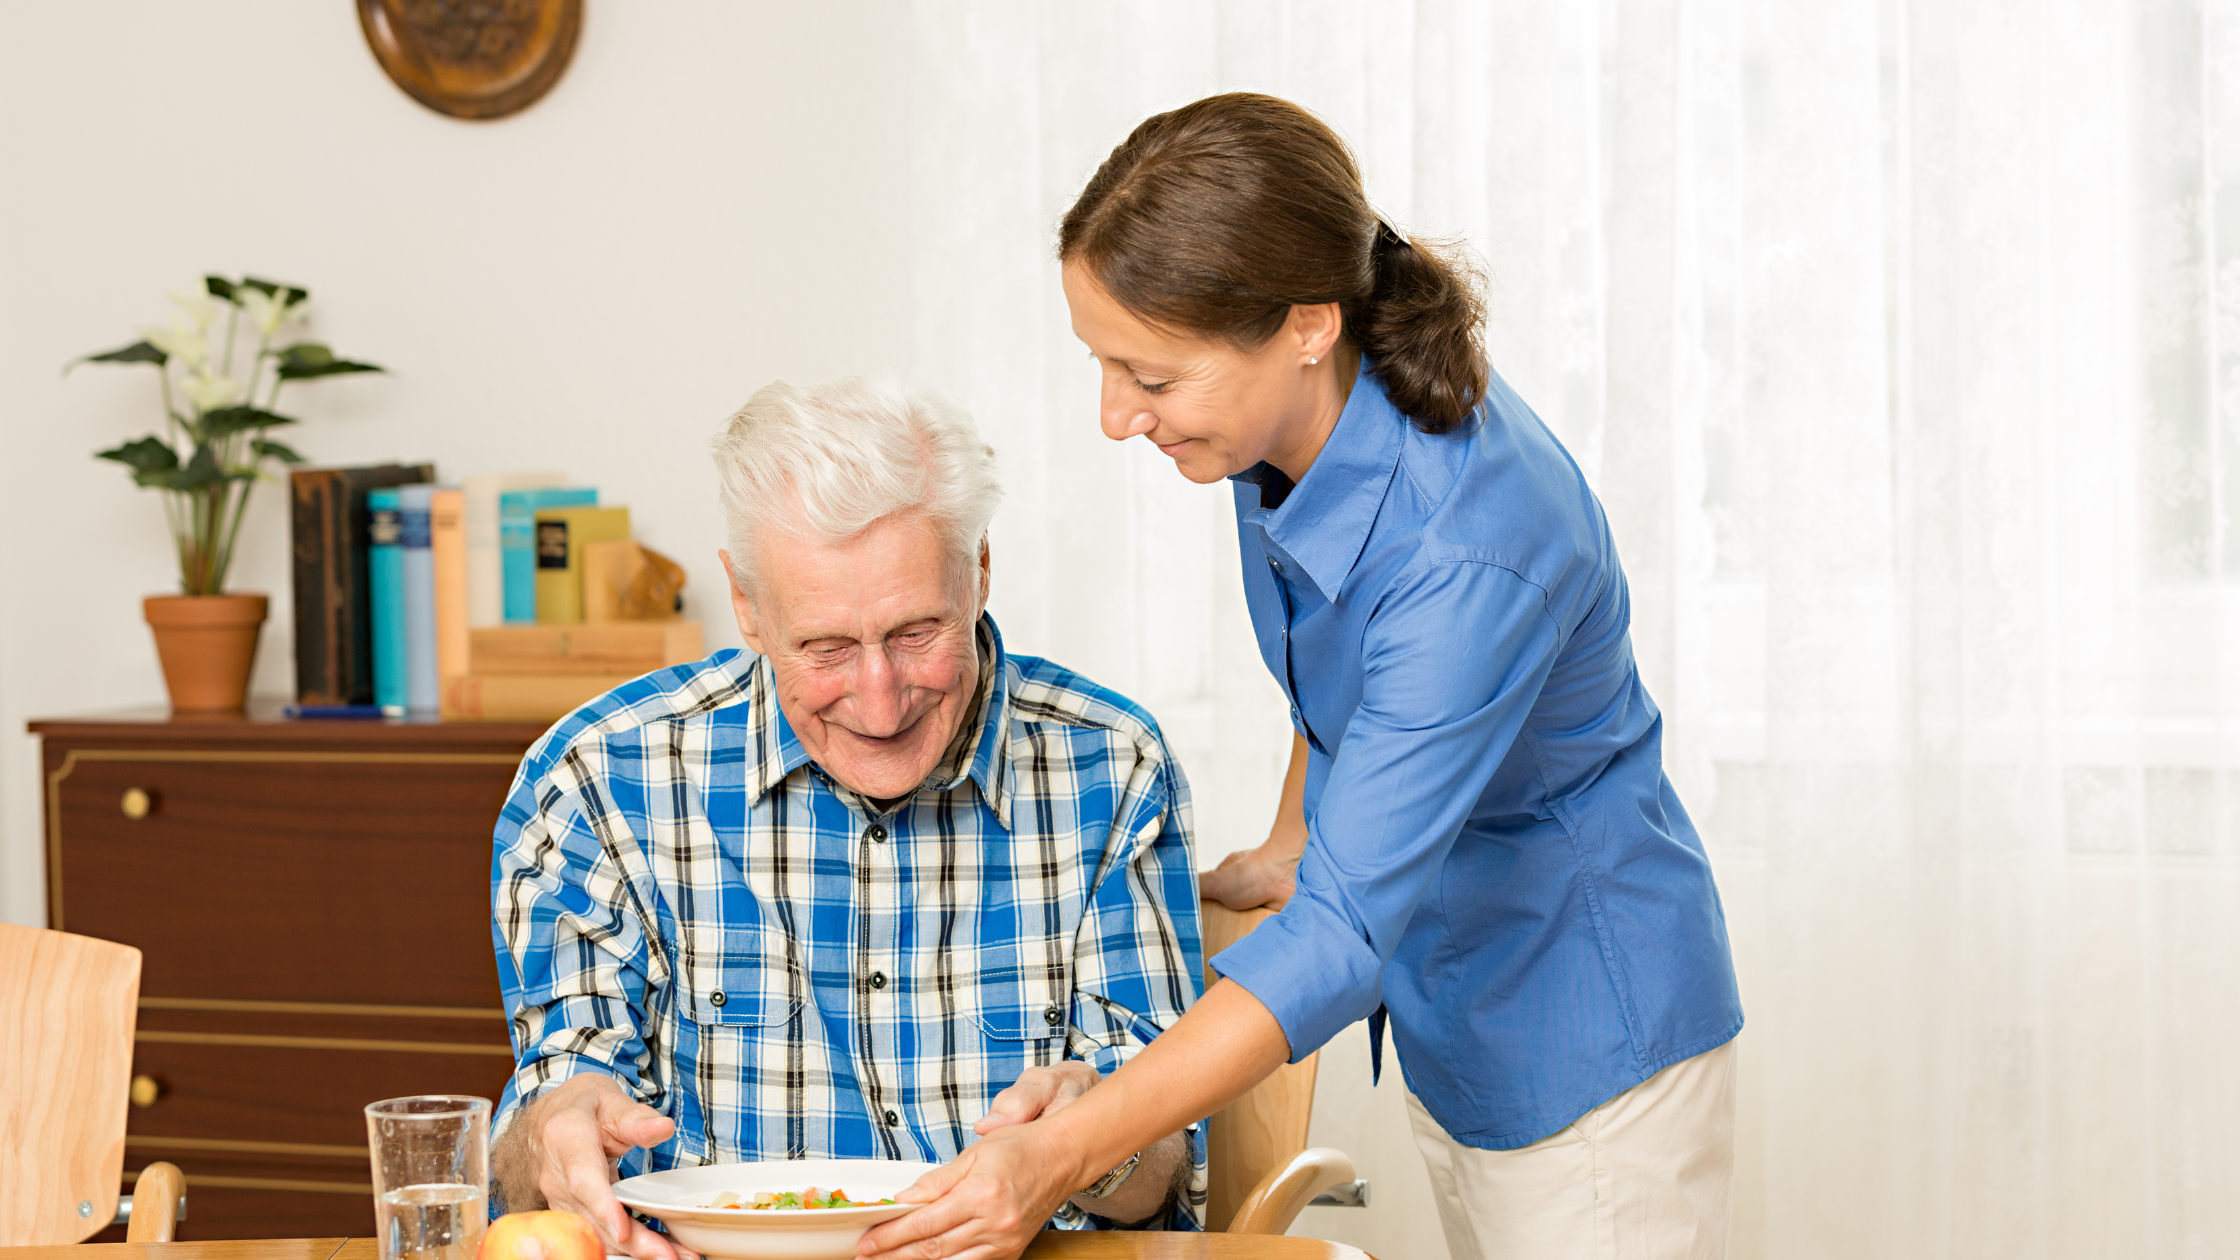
x=473, y=58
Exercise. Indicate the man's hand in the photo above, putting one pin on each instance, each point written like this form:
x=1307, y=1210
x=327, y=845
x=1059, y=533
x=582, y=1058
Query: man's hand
x=560, y=1152
x=1039, y=1091
x=1046, y=1091
x=1255, y=877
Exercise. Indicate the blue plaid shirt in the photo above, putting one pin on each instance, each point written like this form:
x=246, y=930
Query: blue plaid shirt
x=683, y=901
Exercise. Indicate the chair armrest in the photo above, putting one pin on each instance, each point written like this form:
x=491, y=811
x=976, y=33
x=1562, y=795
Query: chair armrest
x=156, y=1194
x=1277, y=1200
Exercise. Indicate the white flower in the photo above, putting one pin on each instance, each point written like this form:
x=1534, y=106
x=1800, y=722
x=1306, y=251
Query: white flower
x=184, y=344
x=268, y=311
x=210, y=391
x=196, y=306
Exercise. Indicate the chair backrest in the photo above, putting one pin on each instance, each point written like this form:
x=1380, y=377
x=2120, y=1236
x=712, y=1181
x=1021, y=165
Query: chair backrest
x=67, y=1007
x=1266, y=1128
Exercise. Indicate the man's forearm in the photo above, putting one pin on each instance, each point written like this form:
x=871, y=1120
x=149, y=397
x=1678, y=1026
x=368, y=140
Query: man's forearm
x=1163, y=1168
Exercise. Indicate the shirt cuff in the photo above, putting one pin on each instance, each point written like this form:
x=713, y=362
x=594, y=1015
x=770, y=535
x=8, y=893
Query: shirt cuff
x=1311, y=969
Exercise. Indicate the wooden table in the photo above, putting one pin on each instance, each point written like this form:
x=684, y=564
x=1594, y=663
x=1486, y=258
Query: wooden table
x=1052, y=1245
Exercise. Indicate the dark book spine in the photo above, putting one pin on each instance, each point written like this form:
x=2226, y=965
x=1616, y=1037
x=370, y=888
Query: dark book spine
x=322, y=675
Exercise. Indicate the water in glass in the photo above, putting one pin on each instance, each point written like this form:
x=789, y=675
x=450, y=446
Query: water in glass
x=435, y=1222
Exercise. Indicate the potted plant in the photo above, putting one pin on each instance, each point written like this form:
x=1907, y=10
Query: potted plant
x=216, y=445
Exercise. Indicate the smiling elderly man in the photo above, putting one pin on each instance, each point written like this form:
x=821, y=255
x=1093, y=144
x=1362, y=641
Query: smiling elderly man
x=869, y=890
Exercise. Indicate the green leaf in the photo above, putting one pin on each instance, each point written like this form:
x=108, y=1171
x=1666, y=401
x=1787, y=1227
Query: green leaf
x=219, y=287
x=267, y=449
x=226, y=421
x=202, y=470
x=146, y=454
x=137, y=352
x=275, y=289
x=152, y=461
x=307, y=359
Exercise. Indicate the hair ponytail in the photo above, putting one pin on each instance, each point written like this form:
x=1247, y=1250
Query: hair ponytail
x=1419, y=326
x=1219, y=217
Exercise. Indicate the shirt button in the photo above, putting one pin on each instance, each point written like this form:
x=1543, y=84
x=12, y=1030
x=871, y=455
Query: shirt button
x=875, y=833
x=893, y=1119
x=717, y=998
x=878, y=979
x=1053, y=1016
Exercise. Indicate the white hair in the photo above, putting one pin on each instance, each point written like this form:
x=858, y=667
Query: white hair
x=826, y=462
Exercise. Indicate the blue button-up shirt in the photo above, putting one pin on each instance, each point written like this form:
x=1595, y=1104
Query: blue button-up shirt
x=1494, y=853
x=684, y=902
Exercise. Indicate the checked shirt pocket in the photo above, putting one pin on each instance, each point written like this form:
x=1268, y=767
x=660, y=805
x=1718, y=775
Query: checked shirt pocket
x=740, y=1045
x=1025, y=1004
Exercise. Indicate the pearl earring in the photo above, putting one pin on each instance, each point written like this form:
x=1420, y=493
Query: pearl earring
x=1311, y=362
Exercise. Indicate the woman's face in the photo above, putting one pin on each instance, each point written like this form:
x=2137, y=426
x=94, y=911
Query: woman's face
x=1213, y=409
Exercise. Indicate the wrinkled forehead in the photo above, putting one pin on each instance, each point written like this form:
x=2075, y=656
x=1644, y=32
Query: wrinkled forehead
x=898, y=572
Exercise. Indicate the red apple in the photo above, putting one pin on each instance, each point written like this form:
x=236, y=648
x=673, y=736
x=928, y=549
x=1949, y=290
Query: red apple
x=541, y=1236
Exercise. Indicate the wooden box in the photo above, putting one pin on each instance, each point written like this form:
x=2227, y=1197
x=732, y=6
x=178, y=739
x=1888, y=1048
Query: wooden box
x=312, y=902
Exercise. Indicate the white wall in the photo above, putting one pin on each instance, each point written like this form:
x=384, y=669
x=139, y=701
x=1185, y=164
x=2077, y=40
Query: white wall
x=713, y=196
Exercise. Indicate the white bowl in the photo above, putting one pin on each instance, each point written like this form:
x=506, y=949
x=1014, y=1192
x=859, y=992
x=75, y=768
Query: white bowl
x=680, y=1198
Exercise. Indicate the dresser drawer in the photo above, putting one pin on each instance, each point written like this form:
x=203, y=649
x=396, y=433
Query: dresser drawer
x=309, y=877
x=281, y=1084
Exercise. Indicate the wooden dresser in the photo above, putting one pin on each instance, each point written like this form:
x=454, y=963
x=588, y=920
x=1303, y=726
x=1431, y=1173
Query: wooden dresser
x=312, y=901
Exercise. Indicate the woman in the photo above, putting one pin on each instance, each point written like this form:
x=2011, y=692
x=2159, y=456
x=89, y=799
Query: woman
x=1477, y=840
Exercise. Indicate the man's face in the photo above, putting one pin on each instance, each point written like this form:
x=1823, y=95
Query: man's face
x=873, y=646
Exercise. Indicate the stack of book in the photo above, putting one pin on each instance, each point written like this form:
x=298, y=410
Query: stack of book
x=514, y=597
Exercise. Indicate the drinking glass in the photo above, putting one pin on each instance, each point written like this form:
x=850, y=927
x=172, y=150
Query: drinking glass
x=431, y=1175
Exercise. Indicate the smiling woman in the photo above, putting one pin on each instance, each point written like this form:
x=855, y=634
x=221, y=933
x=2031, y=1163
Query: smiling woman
x=1476, y=844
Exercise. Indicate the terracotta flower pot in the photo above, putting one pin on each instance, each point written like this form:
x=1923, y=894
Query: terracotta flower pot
x=206, y=643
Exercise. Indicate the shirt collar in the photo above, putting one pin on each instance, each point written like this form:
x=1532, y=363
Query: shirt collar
x=778, y=752
x=1323, y=522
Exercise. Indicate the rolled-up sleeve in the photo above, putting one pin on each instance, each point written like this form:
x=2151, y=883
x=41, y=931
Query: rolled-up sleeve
x=572, y=951
x=1437, y=716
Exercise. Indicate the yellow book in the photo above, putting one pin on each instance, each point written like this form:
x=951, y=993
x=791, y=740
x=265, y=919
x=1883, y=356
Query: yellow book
x=562, y=534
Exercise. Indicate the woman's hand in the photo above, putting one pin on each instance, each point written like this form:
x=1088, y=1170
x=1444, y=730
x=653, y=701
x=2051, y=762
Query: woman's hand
x=1255, y=877
x=993, y=1199
x=1263, y=876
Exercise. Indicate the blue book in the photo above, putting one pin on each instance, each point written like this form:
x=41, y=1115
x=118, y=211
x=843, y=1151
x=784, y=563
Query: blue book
x=385, y=580
x=517, y=542
x=419, y=577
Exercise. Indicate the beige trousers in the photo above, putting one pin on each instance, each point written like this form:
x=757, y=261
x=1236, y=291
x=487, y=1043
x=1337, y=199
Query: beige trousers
x=1645, y=1176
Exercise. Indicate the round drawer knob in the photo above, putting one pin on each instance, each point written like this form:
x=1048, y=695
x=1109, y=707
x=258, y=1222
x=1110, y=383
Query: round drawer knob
x=145, y=1090
x=137, y=804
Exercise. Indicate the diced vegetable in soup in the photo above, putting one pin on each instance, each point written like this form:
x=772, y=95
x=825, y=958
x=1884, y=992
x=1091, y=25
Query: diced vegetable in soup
x=809, y=1200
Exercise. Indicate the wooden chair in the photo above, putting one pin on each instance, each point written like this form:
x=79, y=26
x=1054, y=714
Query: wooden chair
x=68, y=1005
x=1259, y=1169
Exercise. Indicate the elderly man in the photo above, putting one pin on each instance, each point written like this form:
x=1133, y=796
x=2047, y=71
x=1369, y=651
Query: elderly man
x=870, y=890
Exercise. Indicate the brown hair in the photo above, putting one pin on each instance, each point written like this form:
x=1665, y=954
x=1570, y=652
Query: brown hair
x=1217, y=218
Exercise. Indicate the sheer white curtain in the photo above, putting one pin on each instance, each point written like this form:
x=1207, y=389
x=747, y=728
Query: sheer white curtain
x=1902, y=342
